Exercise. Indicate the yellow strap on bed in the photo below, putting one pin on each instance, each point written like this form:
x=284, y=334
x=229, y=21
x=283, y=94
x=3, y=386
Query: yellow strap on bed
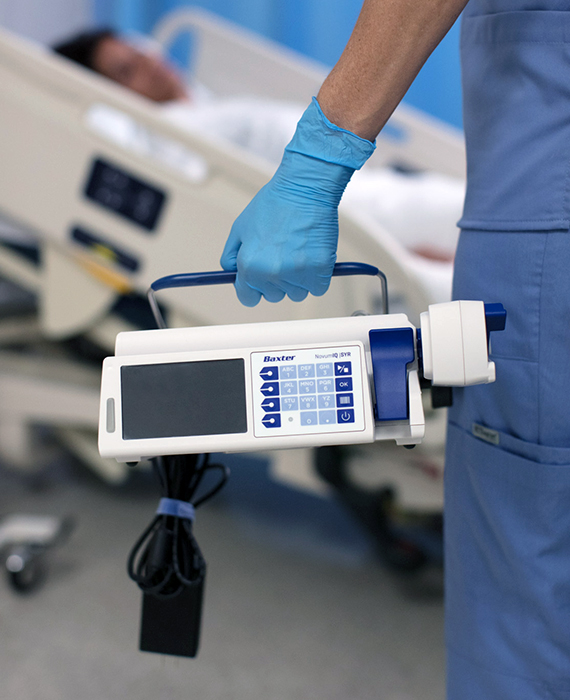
x=108, y=277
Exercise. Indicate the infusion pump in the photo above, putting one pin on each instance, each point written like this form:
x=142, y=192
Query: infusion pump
x=258, y=387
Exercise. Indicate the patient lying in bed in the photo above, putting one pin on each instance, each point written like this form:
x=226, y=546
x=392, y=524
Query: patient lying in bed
x=420, y=210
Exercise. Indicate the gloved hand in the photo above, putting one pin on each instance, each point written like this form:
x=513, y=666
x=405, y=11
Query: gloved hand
x=285, y=240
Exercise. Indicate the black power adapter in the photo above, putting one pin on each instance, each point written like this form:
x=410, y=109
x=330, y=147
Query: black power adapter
x=172, y=625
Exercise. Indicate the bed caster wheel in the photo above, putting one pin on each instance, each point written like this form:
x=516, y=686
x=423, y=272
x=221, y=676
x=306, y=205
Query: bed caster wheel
x=25, y=569
x=402, y=556
x=24, y=543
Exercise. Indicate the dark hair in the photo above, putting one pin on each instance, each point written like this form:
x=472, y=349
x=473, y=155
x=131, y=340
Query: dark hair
x=82, y=48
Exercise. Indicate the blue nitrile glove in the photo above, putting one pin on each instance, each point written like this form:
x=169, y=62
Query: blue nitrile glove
x=285, y=240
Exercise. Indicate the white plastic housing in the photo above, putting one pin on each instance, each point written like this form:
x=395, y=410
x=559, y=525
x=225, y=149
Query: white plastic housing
x=247, y=341
x=454, y=344
x=454, y=341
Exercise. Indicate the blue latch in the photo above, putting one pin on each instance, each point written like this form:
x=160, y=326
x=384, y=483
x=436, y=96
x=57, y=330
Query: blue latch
x=392, y=350
x=495, y=318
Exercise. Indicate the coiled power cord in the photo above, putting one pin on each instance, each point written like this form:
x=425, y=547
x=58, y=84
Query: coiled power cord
x=166, y=561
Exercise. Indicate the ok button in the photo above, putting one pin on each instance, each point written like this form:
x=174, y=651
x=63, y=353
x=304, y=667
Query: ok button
x=344, y=384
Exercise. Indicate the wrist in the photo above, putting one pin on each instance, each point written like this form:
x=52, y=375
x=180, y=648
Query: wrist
x=319, y=138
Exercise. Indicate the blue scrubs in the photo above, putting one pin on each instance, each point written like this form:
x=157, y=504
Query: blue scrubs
x=508, y=460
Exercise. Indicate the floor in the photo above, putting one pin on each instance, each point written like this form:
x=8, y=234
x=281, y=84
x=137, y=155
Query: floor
x=297, y=604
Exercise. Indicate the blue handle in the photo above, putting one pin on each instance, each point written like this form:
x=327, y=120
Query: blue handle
x=203, y=279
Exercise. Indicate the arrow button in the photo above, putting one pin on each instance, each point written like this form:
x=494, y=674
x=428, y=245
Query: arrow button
x=270, y=389
x=268, y=373
x=272, y=420
x=269, y=405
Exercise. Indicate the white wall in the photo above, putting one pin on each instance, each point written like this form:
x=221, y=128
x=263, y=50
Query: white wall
x=45, y=20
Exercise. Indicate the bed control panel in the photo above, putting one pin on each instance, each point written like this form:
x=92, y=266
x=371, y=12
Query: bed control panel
x=125, y=194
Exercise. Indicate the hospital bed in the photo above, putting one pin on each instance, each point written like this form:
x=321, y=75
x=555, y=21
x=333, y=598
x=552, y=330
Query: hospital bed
x=64, y=177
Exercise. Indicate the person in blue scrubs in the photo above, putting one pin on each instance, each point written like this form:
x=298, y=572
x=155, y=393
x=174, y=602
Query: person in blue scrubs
x=507, y=510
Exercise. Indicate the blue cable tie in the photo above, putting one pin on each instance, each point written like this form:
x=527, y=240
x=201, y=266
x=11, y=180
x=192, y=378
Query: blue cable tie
x=177, y=509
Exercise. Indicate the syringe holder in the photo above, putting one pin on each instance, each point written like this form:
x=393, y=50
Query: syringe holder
x=392, y=350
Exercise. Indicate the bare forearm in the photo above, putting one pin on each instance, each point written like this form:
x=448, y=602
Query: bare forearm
x=390, y=43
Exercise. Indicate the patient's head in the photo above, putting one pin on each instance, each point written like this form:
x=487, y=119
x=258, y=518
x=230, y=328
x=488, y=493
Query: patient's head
x=106, y=53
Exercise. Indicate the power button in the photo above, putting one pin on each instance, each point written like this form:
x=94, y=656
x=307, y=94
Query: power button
x=346, y=415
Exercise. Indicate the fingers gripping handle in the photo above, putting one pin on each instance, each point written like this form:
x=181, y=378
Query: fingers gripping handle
x=204, y=279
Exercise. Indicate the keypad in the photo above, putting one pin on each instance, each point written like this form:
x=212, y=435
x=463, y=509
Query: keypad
x=307, y=394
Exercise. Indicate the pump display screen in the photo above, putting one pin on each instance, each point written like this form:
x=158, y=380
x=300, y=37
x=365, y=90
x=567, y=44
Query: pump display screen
x=177, y=399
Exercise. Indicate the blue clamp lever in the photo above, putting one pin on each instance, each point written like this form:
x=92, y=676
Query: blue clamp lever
x=392, y=350
x=202, y=279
